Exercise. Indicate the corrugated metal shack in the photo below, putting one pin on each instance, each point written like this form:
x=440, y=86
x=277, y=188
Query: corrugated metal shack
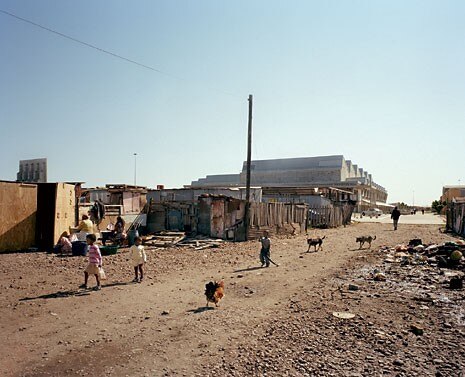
x=18, y=207
x=210, y=215
x=455, y=216
x=188, y=209
x=131, y=198
x=127, y=201
x=221, y=216
x=175, y=216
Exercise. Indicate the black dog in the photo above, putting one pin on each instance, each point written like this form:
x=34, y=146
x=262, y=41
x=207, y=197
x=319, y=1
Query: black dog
x=315, y=242
x=365, y=239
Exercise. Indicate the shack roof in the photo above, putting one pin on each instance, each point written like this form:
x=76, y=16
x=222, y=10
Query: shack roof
x=124, y=187
x=218, y=196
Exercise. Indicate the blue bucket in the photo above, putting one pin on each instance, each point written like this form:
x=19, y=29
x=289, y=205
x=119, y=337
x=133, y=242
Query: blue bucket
x=79, y=248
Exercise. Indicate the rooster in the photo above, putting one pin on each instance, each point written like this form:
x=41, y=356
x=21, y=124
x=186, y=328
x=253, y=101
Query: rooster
x=214, y=291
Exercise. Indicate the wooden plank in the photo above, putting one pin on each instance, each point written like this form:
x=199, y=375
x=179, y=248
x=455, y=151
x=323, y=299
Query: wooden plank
x=64, y=209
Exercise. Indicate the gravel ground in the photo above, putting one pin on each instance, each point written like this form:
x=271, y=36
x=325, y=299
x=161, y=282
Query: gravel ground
x=274, y=322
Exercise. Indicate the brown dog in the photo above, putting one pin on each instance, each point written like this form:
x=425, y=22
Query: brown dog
x=315, y=242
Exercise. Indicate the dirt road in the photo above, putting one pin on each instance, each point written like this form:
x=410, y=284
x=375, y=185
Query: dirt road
x=418, y=219
x=160, y=327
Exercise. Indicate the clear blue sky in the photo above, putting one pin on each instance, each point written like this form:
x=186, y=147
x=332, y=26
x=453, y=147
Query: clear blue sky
x=381, y=82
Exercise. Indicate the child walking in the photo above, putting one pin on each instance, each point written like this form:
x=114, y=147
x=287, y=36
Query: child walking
x=265, y=251
x=138, y=258
x=95, y=262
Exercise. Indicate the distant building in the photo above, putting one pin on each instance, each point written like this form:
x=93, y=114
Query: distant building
x=32, y=171
x=451, y=192
x=308, y=172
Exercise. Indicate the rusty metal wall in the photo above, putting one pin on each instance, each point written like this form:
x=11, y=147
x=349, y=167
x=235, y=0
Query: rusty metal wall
x=204, y=222
x=217, y=218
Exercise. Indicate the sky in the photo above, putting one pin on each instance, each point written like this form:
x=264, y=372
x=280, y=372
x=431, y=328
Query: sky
x=381, y=82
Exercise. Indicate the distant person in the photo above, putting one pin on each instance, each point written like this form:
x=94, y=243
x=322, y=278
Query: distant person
x=422, y=211
x=395, y=217
x=138, y=259
x=97, y=212
x=265, y=251
x=95, y=262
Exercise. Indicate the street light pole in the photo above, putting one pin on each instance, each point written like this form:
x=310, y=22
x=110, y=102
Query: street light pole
x=249, y=158
x=135, y=168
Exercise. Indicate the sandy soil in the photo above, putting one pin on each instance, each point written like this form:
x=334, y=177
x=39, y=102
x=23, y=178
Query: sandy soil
x=273, y=321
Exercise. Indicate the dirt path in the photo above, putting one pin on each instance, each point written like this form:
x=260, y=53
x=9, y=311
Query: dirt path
x=159, y=327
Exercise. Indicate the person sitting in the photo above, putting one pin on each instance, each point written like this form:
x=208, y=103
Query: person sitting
x=119, y=234
x=85, y=227
x=64, y=245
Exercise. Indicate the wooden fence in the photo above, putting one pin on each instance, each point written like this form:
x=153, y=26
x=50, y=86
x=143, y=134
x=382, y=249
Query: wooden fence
x=455, y=217
x=330, y=216
x=276, y=218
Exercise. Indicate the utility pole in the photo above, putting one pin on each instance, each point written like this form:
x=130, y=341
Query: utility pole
x=249, y=157
x=135, y=168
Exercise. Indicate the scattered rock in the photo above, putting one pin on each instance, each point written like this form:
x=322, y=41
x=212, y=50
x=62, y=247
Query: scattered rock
x=379, y=277
x=417, y=330
x=343, y=315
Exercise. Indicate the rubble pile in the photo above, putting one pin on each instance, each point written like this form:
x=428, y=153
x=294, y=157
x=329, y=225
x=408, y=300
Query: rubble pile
x=201, y=242
x=164, y=239
x=432, y=260
x=179, y=239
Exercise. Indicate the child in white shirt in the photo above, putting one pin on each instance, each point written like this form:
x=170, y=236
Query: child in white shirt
x=138, y=258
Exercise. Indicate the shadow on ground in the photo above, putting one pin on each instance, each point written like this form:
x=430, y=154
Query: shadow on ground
x=201, y=309
x=248, y=269
x=77, y=293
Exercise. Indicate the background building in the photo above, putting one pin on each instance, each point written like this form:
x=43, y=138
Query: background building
x=322, y=172
x=32, y=171
x=452, y=192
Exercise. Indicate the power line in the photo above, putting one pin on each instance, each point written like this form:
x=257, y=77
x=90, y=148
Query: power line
x=102, y=50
